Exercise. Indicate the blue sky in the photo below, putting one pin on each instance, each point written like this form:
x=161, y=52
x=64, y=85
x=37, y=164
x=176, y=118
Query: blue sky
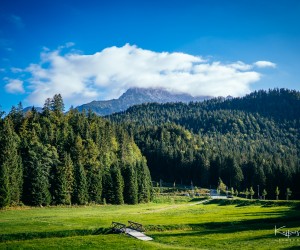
x=93, y=50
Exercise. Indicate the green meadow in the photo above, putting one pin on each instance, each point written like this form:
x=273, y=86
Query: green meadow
x=173, y=223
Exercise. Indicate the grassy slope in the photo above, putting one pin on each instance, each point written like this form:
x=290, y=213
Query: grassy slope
x=173, y=226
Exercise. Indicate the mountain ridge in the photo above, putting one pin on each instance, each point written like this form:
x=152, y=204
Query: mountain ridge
x=135, y=96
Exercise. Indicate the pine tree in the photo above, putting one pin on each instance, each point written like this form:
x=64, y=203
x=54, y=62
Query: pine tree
x=92, y=166
x=69, y=170
x=4, y=187
x=118, y=185
x=36, y=176
x=144, y=182
x=108, y=194
x=130, y=185
x=57, y=104
x=60, y=193
x=11, y=160
x=47, y=107
x=80, y=191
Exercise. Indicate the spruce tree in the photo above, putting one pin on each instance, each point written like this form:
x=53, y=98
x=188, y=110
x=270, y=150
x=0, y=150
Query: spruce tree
x=80, y=191
x=108, y=194
x=144, y=182
x=60, y=193
x=4, y=187
x=92, y=166
x=69, y=170
x=36, y=175
x=130, y=185
x=118, y=185
x=11, y=160
x=57, y=104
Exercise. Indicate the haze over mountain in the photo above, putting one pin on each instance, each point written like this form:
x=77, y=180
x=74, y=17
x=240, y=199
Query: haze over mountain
x=135, y=96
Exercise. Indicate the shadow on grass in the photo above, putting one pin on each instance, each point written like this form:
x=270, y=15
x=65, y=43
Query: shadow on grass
x=53, y=234
x=198, y=199
x=263, y=203
x=289, y=218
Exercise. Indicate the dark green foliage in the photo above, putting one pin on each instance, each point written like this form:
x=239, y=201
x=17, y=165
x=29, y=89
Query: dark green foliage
x=118, y=185
x=11, y=161
x=56, y=158
x=248, y=141
x=4, y=187
x=80, y=193
x=144, y=182
x=93, y=171
x=130, y=185
x=37, y=165
x=108, y=190
x=57, y=104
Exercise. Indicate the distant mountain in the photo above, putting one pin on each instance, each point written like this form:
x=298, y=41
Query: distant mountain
x=38, y=109
x=135, y=96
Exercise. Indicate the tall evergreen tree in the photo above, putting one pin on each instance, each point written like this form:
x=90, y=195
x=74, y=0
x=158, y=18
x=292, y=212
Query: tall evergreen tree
x=93, y=172
x=57, y=104
x=38, y=162
x=4, y=186
x=144, y=182
x=11, y=161
x=108, y=194
x=118, y=184
x=69, y=172
x=80, y=191
x=130, y=185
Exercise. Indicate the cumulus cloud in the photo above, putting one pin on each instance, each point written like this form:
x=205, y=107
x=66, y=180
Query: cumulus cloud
x=107, y=74
x=14, y=86
x=265, y=64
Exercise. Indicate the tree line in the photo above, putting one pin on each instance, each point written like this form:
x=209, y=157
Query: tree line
x=73, y=158
x=246, y=142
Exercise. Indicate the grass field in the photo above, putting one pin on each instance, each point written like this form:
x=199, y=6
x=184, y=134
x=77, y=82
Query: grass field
x=173, y=224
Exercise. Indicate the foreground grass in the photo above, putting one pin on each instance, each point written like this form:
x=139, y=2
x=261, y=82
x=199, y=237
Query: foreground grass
x=174, y=225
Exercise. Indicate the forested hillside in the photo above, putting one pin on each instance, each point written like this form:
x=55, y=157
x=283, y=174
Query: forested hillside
x=74, y=158
x=246, y=142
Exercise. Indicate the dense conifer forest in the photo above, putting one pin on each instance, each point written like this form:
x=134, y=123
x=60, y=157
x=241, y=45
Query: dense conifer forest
x=248, y=143
x=79, y=158
x=73, y=158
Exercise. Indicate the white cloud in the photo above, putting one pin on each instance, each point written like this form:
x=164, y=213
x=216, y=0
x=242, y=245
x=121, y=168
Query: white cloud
x=16, y=70
x=107, y=74
x=14, y=86
x=265, y=64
